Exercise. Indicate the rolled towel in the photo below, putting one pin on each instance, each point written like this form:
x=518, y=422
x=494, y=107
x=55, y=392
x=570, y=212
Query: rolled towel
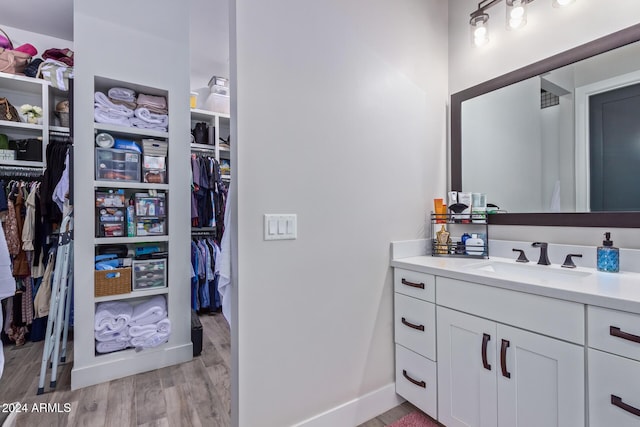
x=164, y=326
x=149, y=117
x=102, y=101
x=150, y=311
x=114, y=315
x=109, y=335
x=110, y=346
x=122, y=94
x=153, y=340
x=103, y=115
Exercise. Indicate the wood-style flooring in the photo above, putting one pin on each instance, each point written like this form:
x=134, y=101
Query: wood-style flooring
x=195, y=393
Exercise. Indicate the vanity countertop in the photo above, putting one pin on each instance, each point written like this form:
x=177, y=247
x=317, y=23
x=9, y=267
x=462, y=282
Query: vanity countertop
x=619, y=291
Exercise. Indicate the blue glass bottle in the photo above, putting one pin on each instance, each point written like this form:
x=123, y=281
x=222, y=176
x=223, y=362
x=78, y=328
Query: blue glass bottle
x=608, y=256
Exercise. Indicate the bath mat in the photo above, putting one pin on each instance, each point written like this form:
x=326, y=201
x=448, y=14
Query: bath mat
x=415, y=419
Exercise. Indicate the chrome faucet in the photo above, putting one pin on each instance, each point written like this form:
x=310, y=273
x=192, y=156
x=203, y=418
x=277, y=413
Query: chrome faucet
x=544, y=258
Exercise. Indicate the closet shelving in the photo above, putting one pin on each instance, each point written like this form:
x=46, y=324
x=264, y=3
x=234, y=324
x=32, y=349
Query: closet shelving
x=21, y=90
x=219, y=126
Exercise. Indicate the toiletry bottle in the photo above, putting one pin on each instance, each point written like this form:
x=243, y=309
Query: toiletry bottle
x=131, y=229
x=442, y=241
x=474, y=245
x=608, y=255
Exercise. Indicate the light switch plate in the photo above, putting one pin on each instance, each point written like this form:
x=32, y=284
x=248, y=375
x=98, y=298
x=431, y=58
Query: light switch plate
x=280, y=226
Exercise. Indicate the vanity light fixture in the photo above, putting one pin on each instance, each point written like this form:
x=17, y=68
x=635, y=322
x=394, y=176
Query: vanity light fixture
x=516, y=17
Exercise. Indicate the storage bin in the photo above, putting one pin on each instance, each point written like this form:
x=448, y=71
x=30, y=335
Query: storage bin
x=219, y=103
x=148, y=274
x=27, y=149
x=154, y=169
x=117, y=165
x=112, y=282
x=150, y=227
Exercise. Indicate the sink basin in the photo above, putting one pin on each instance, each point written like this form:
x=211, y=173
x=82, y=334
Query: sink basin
x=529, y=271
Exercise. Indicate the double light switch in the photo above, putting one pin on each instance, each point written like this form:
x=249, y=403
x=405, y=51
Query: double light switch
x=280, y=226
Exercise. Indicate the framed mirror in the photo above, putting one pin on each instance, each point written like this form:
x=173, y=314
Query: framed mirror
x=555, y=143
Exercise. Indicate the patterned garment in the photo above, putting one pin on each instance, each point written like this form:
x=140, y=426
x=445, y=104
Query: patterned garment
x=11, y=230
x=27, y=301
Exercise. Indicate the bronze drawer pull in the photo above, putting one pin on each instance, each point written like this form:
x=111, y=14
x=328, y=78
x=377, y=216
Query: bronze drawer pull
x=485, y=340
x=616, y=332
x=617, y=401
x=416, y=382
x=412, y=325
x=503, y=359
x=412, y=284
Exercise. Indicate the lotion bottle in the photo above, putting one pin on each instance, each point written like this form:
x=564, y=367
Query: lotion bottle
x=131, y=227
x=608, y=255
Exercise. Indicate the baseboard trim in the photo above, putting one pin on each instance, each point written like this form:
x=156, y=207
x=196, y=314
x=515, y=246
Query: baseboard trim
x=357, y=411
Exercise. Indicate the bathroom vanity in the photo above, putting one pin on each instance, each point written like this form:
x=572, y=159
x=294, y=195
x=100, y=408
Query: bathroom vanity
x=498, y=343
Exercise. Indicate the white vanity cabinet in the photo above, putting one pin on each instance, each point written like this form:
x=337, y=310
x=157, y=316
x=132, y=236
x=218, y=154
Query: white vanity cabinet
x=614, y=367
x=495, y=374
x=415, y=338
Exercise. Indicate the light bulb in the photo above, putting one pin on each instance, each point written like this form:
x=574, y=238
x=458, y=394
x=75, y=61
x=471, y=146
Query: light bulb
x=480, y=32
x=515, y=23
x=562, y=3
x=517, y=12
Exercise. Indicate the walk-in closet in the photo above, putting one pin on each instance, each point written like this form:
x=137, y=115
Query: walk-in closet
x=113, y=272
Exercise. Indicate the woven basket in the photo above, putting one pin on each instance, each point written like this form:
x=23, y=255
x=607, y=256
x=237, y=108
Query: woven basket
x=112, y=282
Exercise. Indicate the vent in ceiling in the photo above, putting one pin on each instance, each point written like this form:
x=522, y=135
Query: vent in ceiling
x=548, y=99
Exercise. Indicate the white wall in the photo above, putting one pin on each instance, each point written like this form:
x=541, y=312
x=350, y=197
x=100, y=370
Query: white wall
x=549, y=31
x=40, y=41
x=341, y=119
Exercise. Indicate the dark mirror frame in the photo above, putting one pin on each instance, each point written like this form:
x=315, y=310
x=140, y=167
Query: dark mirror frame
x=577, y=219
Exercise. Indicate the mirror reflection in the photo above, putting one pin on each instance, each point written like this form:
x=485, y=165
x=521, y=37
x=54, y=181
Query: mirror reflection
x=564, y=141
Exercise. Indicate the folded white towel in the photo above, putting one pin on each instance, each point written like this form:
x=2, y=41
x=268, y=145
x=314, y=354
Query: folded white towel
x=151, y=311
x=110, y=335
x=113, y=315
x=102, y=101
x=109, y=346
x=122, y=94
x=141, y=124
x=143, y=330
x=149, y=117
x=153, y=340
x=104, y=115
x=164, y=326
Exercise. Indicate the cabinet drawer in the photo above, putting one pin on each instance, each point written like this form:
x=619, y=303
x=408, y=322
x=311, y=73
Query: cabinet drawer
x=414, y=284
x=615, y=376
x=614, y=331
x=548, y=316
x=415, y=325
x=416, y=380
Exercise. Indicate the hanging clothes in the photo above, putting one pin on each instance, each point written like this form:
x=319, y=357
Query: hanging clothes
x=7, y=284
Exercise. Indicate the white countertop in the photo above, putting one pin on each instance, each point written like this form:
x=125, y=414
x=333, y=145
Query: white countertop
x=619, y=291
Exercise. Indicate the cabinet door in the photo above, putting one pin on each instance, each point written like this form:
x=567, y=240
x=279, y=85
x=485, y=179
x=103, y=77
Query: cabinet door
x=466, y=380
x=540, y=380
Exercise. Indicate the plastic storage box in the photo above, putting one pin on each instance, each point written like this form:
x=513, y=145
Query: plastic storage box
x=117, y=165
x=148, y=274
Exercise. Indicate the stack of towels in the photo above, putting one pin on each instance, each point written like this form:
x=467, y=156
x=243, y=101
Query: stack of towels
x=122, y=106
x=119, y=325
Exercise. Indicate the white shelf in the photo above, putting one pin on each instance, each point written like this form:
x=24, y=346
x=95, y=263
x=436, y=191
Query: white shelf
x=130, y=184
x=203, y=147
x=198, y=114
x=105, y=127
x=24, y=163
x=125, y=240
x=21, y=125
x=133, y=294
x=22, y=83
x=128, y=353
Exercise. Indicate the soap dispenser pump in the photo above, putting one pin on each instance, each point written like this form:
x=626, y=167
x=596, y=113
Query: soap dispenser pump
x=608, y=255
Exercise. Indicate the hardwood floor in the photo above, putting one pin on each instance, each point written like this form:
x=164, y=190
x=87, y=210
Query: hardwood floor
x=195, y=393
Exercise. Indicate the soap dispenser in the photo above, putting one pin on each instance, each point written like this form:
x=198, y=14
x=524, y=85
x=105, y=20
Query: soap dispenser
x=608, y=255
